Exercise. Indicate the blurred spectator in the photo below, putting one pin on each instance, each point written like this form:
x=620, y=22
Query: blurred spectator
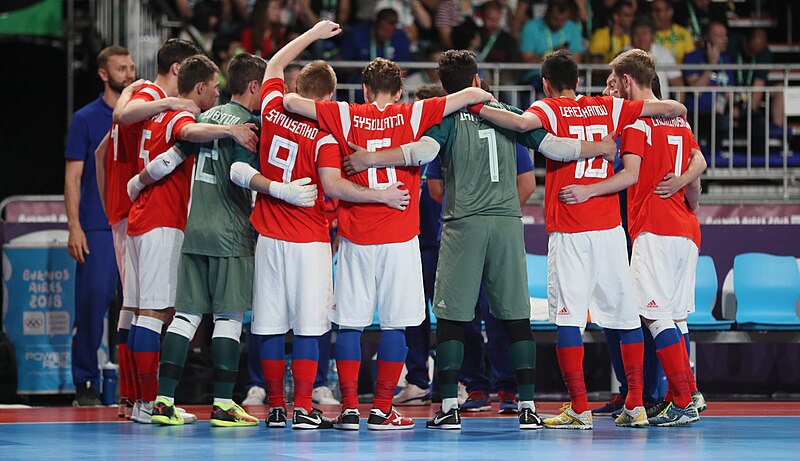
x=380, y=38
x=642, y=35
x=204, y=25
x=410, y=13
x=267, y=33
x=497, y=45
x=599, y=14
x=674, y=37
x=696, y=15
x=753, y=50
x=712, y=51
x=224, y=48
x=448, y=16
x=466, y=36
x=552, y=32
x=426, y=76
x=607, y=42
x=188, y=8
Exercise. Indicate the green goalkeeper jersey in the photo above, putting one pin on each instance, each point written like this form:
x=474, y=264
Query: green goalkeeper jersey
x=479, y=166
x=219, y=212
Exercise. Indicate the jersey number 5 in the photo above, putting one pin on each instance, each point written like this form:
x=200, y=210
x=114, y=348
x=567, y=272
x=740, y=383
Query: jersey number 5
x=286, y=164
x=584, y=168
x=373, y=145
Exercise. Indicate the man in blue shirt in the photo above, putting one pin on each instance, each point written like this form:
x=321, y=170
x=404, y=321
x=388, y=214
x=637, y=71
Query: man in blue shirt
x=90, y=241
x=378, y=39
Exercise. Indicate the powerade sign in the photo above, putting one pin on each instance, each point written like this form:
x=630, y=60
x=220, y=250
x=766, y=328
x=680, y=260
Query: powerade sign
x=38, y=309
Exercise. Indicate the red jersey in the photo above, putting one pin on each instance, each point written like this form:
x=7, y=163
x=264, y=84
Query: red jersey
x=367, y=125
x=665, y=146
x=121, y=158
x=165, y=203
x=291, y=147
x=588, y=118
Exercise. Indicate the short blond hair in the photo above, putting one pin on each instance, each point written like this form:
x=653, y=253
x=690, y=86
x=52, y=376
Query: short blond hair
x=316, y=80
x=639, y=64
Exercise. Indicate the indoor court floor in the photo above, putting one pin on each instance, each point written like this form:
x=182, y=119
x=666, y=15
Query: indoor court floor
x=728, y=430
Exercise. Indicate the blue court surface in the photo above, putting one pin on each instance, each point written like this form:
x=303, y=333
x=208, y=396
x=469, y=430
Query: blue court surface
x=721, y=438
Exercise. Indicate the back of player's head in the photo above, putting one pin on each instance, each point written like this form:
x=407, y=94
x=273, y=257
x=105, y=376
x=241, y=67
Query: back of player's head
x=108, y=52
x=382, y=76
x=243, y=69
x=561, y=70
x=174, y=51
x=655, y=85
x=429, y=91
x=638, y=64
x=457, y=69
x=316, y=80
x=195, y=69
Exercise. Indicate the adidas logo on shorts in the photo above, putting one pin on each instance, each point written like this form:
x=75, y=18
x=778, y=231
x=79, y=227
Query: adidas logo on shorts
x=652, y=304
x=333, y=308
x=441, y=304
x=563, y=311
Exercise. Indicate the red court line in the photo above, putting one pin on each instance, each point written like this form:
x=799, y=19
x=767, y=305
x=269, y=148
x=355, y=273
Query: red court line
x=103, y=414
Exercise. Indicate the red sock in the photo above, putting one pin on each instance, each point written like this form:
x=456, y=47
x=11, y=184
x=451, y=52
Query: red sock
x=570, y=360
x=672, y=359
x=274, y=371
x=122, y=357
x=348, y=382
x=304, y=373
x=388, y=375
x=633, y=359
x=147, y=372
x=689, y=372
x=133, y=377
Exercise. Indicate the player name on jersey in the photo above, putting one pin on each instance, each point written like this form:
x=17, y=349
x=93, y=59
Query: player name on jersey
x=217, y=116
x=295, y=126
x=583, y=112
x=679, y=122
x=378, y=124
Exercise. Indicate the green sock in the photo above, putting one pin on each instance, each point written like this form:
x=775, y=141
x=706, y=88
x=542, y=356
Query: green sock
x=523, y=356
x=225, y=355
x=173, y=357
x=449, y=356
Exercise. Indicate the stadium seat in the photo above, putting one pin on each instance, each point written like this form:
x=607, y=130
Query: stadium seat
x=767, y=289
x=705, y=297
x=537, y=285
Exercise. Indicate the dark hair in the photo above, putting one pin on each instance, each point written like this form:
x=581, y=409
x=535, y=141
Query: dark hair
x=618, y=6
x=429, y=91
x=194, y=70
x=107, y=52
x=637, y=63
x=316, y=80
x=560, y=69
x=644, y=21
x=457, y=68
x=491, y=5
x=707, y=28
x=463, y=34
x=243, y=69
x=174, y=51
x=655, y=85
x=432, y=49
x=387, y=14
x=382, y=76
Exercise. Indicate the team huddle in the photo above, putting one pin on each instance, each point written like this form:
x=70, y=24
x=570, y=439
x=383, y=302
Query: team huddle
x=178, y=177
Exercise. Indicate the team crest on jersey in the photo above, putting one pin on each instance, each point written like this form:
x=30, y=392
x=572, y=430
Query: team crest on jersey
x=563, y=311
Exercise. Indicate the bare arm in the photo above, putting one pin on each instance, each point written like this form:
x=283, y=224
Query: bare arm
x=503, y=118
x=293, y=102
x=629, y=175
x=412, y=154
x=464, y=98
x=671, y=183
x=526, y=185
x=321, y=31
x=100, y=169
x=205, y=132
x=138, y=110
x=76, y=243
x=692, y=195
x=421, y=14
x=125, y=97
x=667, y=108
x=339, y=188
x=436, y=189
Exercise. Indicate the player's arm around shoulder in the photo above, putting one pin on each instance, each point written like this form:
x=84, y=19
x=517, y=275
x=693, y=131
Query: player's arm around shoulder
x=666, y=107
x=508, y=117
x=340, y=188
x=415, y=153
x=464, y=98
x=243, y=134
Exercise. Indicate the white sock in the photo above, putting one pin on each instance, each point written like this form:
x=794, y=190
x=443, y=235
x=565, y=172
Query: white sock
x=527, y=404
x=150, y=323
x=449, y=404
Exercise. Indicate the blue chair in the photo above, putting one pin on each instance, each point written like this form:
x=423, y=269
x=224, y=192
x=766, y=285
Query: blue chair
x=767, y=289
x=705, y=296
x=537, y=285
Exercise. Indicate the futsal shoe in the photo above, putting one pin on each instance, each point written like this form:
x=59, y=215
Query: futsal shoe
x=449, y=421
x=477, y=401
x=188, y=418
x=614, y=404
x=145, y=413
x=314, y=420
x=276, y=418
x=508, y=403
x=348, y=420
x=412, y=395
x=323, y=395
x=655, y=408
x=568, y=419
x=528, y=419
x=632, y=418
x=699, y=402
x=86, y=396
x=673, y=415
x=231, y=415
x=392, y=421
x=164, y=412
x=255, y=396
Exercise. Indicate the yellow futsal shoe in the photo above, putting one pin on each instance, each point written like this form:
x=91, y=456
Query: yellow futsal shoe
x=632, y=418
x=164, y=413
x=568, y=419
x=231, y=415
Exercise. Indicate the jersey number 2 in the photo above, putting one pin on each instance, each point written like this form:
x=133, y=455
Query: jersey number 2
x=584, y=167
x=206, y=153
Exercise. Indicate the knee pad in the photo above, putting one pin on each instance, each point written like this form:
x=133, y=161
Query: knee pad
x=228, y=326
x=682, y=326
x=518, y=330
x=185, y=324
x=449, y=330
x=660, y=325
